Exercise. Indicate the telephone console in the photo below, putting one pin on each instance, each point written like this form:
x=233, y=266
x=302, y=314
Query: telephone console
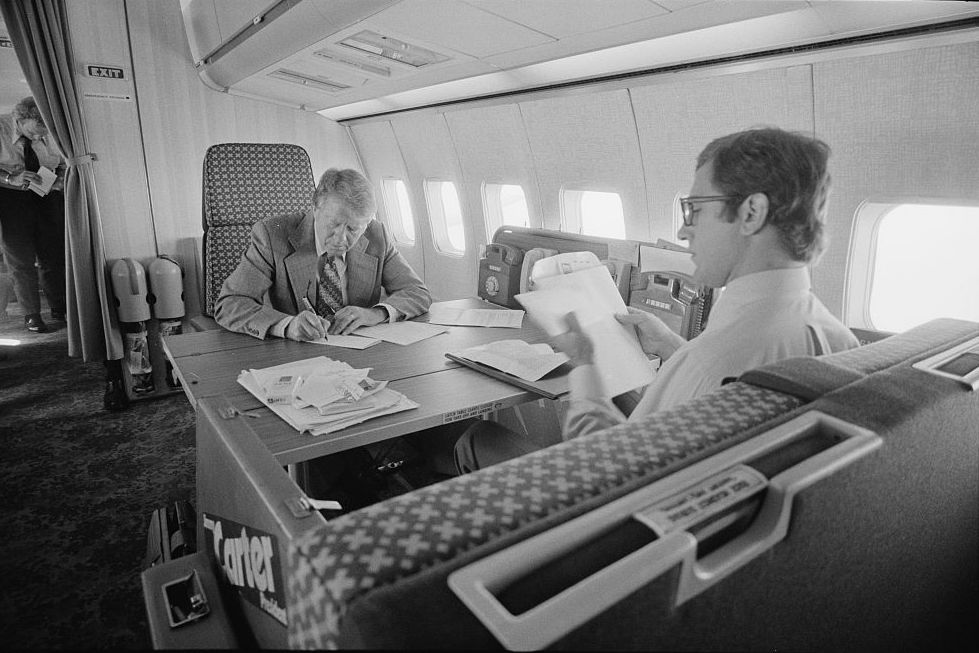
x=676, y=299
x=500, y=273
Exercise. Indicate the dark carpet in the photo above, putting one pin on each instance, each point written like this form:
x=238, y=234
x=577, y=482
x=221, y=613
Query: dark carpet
x=78, y=486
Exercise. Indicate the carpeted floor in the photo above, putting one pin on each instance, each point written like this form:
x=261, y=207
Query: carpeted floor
x=78, y=486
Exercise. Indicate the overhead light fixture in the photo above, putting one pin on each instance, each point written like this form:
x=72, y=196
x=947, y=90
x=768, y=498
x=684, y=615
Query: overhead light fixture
x=360, y=66
x=392, y=49
x=317, y=82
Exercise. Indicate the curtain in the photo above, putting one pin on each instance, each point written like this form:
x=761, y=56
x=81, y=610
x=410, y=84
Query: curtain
x=39, y=31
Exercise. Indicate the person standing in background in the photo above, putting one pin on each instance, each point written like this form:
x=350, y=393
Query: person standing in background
x=33, y=225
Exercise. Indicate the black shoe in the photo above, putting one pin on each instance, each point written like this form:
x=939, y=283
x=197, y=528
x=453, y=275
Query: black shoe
x=58, y=316
x=34, y=323
x=115, y=395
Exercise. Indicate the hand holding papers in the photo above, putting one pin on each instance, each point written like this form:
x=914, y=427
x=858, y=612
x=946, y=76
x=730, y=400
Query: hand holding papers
x=48, y=177
x=328, y=396
x=592, y=296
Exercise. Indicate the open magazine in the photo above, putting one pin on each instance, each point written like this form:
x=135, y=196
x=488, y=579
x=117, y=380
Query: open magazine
x=321, y=395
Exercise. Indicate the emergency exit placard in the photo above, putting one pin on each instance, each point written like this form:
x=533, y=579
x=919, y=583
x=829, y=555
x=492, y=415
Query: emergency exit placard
x=105, y=72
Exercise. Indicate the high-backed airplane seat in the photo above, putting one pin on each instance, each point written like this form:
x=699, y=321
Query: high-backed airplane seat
x=242, y=184
x=879, y=553
x=376, y=578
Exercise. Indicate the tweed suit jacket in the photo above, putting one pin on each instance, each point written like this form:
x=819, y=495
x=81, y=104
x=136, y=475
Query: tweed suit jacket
x=279, y=268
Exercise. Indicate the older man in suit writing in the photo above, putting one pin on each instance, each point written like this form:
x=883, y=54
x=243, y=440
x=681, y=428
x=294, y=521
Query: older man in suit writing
x=305, y=275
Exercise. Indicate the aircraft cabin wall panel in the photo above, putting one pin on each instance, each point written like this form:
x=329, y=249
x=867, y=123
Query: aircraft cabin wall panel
x=382, y=160
x=181, y=118
x=429, y=154
x=493, y=148
x=677, y=120
x=900, y=124
x=588, y=142
x=112, y=128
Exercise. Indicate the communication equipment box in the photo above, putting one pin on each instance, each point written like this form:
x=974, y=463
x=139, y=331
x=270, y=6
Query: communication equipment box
x=674, y=298
x=499, y=274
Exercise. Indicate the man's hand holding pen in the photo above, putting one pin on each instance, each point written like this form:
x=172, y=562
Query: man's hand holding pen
x=307, y=325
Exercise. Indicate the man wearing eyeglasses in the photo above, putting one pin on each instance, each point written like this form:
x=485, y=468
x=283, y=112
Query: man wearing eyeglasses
x=754, y=221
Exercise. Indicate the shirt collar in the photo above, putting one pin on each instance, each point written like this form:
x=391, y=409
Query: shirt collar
x=758, y=286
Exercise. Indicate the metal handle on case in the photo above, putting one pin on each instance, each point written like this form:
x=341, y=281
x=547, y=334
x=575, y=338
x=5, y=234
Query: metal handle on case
x=573, y=607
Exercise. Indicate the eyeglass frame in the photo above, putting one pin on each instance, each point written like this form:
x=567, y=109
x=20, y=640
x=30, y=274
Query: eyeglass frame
x=686, y=205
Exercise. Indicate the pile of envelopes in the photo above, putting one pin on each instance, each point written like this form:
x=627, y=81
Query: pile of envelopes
x=322, y=395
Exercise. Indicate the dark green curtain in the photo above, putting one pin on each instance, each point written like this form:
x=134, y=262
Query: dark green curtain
x=39, y=31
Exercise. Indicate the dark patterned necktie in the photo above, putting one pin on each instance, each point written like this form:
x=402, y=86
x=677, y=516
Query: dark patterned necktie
x=329, y=296
x=31, y=164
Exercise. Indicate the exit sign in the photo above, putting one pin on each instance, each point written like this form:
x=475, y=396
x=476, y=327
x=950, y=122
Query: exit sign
x=106, y=72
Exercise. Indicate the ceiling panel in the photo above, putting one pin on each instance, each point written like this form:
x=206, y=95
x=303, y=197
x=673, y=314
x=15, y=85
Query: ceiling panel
x=458, y=26
x=563, y=18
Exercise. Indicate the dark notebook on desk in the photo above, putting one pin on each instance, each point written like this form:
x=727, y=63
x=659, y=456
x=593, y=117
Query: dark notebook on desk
x=550, y=386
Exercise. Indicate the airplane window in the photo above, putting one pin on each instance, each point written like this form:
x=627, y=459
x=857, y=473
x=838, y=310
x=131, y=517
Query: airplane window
x=924, y=266
x=593, y=213
x=398, y=206
x=446, y=216
x=504, y=204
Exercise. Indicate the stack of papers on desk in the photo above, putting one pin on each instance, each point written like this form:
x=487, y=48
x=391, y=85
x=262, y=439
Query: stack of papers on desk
x=439, y=313
x=330, y=396
x=531, y=367
x=516, y=357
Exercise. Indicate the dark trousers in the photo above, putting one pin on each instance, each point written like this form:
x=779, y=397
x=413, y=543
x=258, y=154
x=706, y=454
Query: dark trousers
x=33, y=229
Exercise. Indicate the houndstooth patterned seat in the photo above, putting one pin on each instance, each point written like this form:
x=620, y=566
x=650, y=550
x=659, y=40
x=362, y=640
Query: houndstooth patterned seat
x=399, y=541
x=243, y=183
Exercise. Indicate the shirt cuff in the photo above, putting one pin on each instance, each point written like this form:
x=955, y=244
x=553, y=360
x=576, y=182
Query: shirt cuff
x=393, y=314
x=279, y=328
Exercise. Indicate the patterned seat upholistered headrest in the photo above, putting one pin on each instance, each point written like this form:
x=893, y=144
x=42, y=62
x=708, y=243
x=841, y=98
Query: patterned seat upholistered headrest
x=244, y=183
x=918, y=342
x=330, y=568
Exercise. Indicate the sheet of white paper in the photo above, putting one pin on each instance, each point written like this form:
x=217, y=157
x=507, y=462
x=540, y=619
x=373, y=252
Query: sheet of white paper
x=481, y=317
x=516, y=357
x=401, y=333
x=403, y=404
x=595, y=301
x=659, y=259
x=305, y=368
x=347, y=342
x=48, y=178
x=322, y=389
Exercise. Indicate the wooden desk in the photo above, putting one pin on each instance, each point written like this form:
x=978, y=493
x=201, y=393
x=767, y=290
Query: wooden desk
x=208, y=364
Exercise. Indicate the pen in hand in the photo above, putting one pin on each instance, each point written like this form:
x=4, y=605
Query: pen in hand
x=309, y=307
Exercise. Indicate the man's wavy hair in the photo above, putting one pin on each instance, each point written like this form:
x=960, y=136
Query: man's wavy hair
x=351, y=187
x=790, y=168
x=27, y=109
